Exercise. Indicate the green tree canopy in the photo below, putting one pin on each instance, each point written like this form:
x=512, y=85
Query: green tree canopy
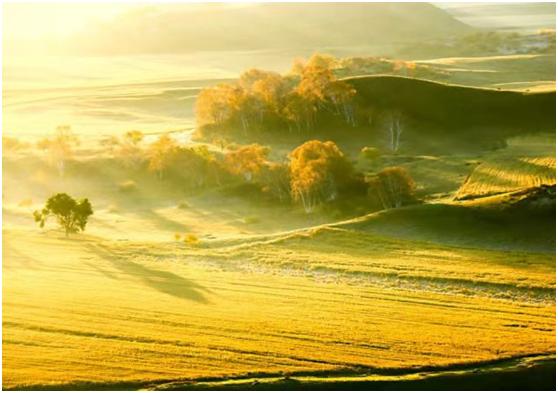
x=71, y=215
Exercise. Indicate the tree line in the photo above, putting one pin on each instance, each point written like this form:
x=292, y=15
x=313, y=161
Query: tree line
x=313, y=173
x=312, y=96
x=263, y=100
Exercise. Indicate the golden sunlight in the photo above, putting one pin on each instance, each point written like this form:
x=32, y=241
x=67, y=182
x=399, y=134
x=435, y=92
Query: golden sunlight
x=279, y=196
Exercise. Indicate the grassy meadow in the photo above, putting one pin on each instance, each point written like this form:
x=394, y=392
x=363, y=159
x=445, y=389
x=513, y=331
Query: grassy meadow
x=270, y=291
x=206, y=316
x=417, y=251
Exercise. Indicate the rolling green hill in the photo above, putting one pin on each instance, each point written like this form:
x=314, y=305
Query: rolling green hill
x=453, y=106
x=477, y=226
x=435, y=118
x=440, y=118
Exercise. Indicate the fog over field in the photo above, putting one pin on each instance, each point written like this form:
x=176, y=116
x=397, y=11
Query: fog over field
x=513, y=16
x=279, y=196
x=109, y=89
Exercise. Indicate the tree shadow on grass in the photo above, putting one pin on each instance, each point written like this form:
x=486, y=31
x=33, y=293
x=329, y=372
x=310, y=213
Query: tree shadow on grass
x=13, y=258
x=161, y=221
x=160, y=280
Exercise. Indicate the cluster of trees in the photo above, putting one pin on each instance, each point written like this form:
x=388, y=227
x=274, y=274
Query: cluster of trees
x=60, y=147
x=315, y=173
x=195, y=166
x=192, y=166
x=320, y=172
x=365, y=65
x=252, y=164
x=312, y=174
x=312, y=94
x=128, y=148
x=484, y=43
x=12, y=144
x=262, y=100
x=352, y=66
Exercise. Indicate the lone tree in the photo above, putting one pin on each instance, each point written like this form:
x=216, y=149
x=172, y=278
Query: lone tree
x=394, y=123
x=72, y=215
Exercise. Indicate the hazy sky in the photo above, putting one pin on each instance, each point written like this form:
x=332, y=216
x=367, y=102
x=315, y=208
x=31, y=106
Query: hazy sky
x=54, y=20
x=46, y=26
x=35, y=21
x=31, y=25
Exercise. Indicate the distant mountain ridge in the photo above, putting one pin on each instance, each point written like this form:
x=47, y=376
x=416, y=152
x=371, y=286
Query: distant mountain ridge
x=182, y=28
x=504, y=16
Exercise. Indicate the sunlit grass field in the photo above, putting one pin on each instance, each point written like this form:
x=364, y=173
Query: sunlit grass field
x=269, y=291
x=525, y=163
x=525, y=72
x=87, y=309
x=461, y=280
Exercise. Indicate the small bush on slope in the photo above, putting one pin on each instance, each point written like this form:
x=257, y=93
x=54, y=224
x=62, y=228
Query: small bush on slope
x=392, y=187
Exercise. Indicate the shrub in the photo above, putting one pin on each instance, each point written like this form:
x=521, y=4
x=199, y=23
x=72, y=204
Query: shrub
x=127, y=186
x=191, y=240
x=183, y=205
x=392, y=187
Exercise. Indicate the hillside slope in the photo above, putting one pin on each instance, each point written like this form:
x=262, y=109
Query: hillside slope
x=521, y=221
x=467, y=226
x=179, y=28
x=454, y=106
